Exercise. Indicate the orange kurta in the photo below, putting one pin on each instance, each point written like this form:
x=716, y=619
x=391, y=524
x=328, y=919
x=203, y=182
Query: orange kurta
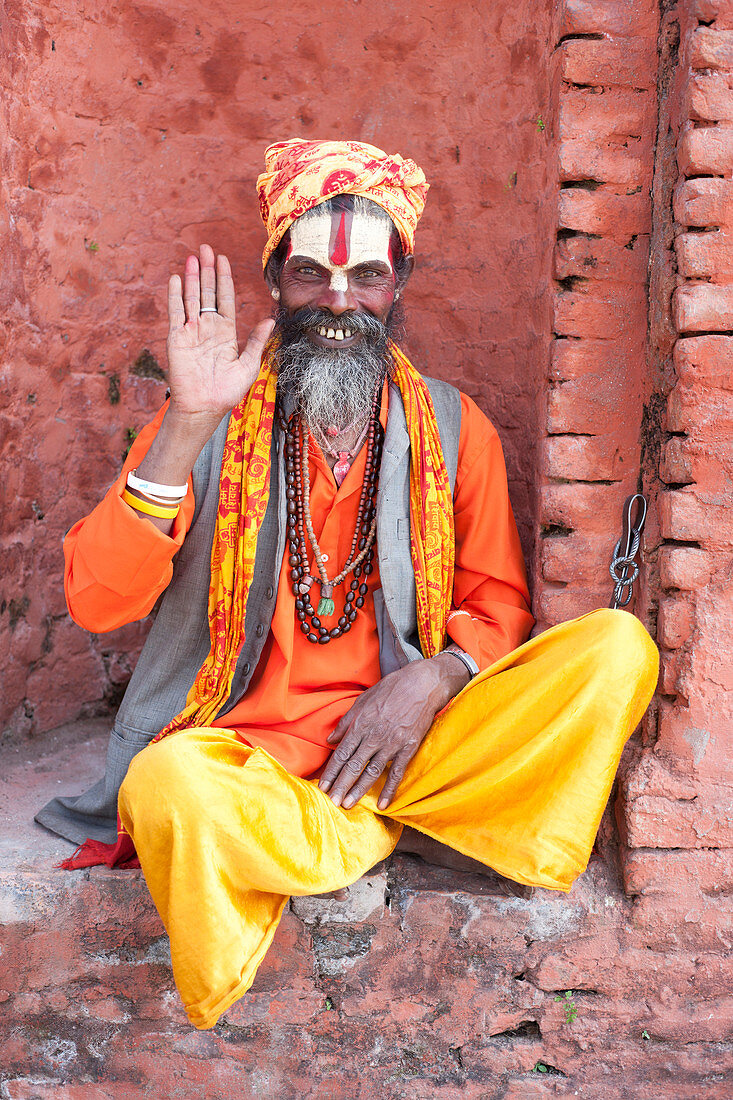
x=118, y=563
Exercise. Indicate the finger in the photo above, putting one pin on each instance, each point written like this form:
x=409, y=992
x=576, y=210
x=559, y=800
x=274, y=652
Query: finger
x=340, y=728
x=225, y=302
x=256, y=341
x=367, y=779
x=191, y=289
x=396, y=772
x=176, y=312
x=336, y=762
x=350, y=772
x=208, y=277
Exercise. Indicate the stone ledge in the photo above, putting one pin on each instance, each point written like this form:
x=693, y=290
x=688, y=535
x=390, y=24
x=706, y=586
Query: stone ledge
x=435, y=984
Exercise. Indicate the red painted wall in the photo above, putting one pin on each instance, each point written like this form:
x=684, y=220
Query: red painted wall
x=134, y=132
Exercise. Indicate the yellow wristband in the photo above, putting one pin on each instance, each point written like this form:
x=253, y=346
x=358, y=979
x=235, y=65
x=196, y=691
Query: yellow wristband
x=149, y=509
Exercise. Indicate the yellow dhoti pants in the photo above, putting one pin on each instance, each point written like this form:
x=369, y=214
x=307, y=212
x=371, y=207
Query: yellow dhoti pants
x=516, y=773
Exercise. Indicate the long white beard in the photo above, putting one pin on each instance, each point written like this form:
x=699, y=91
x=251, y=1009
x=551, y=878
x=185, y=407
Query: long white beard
x=332, y=388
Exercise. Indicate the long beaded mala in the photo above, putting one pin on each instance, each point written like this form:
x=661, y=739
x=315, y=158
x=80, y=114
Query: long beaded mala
x=300, y=532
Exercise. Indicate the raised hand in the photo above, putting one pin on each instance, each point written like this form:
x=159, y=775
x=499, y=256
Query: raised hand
x=207, y=374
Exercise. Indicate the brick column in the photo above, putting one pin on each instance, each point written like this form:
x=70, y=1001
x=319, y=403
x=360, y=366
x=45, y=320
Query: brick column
x=678, y=790
x=607, y=113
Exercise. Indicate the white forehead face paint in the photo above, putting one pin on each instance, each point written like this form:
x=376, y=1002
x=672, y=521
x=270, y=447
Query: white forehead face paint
x=340, y=242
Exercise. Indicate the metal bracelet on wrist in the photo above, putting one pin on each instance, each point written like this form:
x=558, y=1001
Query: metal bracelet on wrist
x=465, y=659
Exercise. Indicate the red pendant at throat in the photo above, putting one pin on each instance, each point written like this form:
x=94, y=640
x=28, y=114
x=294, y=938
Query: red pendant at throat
x=342, y=467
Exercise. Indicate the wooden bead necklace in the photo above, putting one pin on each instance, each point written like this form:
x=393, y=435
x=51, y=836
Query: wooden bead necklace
x=301, y=532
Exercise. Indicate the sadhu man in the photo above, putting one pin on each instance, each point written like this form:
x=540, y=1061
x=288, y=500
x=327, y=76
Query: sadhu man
x=338, y=648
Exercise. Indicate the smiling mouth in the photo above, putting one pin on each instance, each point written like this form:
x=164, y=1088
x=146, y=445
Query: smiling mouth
x=333, y=335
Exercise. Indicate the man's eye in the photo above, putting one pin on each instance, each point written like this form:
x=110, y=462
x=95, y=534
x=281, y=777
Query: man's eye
x=306, y=270
x=371, y=273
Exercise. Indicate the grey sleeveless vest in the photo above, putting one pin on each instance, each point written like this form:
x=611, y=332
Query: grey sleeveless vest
x=178, y=641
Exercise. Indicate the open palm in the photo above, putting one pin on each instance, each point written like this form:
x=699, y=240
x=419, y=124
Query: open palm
x=207, y=374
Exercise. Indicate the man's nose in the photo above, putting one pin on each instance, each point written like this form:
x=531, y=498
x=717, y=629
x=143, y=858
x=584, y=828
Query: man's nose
x=338, y=300
x=341, y=303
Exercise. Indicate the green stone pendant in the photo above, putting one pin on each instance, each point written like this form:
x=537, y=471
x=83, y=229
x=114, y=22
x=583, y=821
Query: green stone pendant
x=326, y=605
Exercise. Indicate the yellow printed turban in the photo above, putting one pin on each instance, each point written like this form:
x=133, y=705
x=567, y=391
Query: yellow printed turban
x=301, y=174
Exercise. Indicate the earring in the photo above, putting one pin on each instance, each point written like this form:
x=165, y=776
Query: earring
x=275, y=293
x=397, y=294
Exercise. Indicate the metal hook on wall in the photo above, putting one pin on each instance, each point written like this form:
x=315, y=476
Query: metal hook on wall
x=624, y=569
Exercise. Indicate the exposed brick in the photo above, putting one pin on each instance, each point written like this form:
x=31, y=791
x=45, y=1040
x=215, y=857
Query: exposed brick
x=604, y=211
x=703, y=307
x=705, y=413
x=704, y=202
x=706, y=150
x=683, y=517
x=684, y=568
x=691, y=739
x=602, y=259
x=584, y=458
x=651, y=773
x=711, y=49
x=675, y=623
x=622, y=18
x=557, y=605
x=530, y=1090
x=588, y=405
x=599, y=310
x=616, y=115
x=576, y=559
x=621, y=974
x=706, y=254
x=705, y=360
x=705, y=822
x=578, y=160
x=587, y=358
x=650, y=871
x=591, y=507
x=677, y=462
x=629, y=62
x=677, y=923
x=674, y=672
x=711, y=97
x=719, y=11
x=688, y=462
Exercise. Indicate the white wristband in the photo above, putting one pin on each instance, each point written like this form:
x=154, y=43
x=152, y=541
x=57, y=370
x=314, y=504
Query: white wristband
x=167, y=492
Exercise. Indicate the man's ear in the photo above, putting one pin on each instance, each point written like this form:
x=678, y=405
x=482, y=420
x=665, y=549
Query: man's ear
x=271, y=281
x=408, y=266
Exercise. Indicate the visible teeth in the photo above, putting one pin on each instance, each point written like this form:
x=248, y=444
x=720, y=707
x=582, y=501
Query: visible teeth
x=322, y=331
x=347, y=332
x=330, y=334
x=339, y=334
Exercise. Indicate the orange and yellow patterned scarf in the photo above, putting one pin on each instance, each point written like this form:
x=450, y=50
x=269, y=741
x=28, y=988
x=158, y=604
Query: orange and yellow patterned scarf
x=244, y=491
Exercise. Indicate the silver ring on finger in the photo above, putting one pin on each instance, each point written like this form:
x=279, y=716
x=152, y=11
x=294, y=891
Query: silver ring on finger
x=208, y=309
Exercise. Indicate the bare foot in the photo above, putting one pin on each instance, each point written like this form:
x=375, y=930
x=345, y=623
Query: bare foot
x=440, y=855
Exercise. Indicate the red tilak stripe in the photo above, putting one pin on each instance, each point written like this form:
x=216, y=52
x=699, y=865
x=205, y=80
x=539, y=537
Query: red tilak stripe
x=339, y=256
